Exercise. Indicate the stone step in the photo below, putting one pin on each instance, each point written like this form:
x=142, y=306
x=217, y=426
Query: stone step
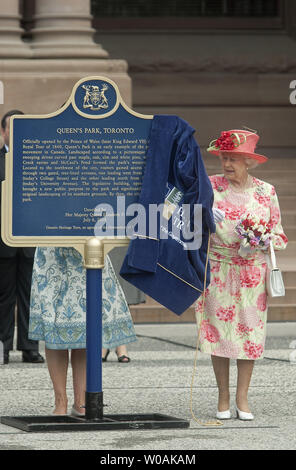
x=286, y=261
x=279, y=158
x=282, y=312
x=150, y=301
x=289, y=252
x=289, y=278
x=288, y=217
x=290, y=297
x=274, y=173
x=287, y=203
x=290, y=231
x=159, y=314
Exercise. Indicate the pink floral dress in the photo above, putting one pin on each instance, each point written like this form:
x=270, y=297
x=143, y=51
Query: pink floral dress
x=235, y=310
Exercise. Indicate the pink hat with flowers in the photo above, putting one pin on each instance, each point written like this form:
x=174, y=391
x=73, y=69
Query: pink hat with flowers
x=238, y=142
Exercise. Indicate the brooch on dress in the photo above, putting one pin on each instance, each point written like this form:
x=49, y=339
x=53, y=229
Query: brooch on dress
x=260, y=190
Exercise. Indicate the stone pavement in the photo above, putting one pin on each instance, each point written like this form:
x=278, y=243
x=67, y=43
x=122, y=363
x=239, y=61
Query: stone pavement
x=158, y=380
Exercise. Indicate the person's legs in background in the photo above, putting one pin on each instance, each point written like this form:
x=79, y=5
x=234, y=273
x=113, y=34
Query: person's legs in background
x=121, y=353
x=7, y=303
x=23, y=290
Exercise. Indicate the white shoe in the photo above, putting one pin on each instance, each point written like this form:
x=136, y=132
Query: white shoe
x=223, y=414
x=243, y=415
x=76, y=413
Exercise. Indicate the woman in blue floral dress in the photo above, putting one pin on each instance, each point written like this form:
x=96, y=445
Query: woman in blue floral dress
x=58, y=317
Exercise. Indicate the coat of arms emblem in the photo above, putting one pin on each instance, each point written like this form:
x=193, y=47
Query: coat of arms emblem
x=94, y=97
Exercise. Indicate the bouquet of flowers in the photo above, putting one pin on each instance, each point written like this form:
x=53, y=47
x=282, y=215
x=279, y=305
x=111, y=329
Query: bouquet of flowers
x=254, y=233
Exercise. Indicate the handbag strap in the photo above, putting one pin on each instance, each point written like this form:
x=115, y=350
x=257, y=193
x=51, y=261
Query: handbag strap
x=272, y=256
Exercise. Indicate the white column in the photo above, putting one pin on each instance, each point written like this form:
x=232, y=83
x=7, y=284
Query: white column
x=63, y=30
x=11, y=44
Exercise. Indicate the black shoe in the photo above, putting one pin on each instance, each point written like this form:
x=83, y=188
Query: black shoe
x=6, y=357
x=32, y=356
x=124, y=359
x=104, y=359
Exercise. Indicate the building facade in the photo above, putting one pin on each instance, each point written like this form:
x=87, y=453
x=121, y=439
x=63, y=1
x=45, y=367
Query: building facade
x=219, y=64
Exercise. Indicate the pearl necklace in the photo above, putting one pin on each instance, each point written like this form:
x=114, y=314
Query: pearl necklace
x=240, y=189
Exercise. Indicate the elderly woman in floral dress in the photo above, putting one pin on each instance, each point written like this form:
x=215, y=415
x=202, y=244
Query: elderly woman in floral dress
x=234, y=319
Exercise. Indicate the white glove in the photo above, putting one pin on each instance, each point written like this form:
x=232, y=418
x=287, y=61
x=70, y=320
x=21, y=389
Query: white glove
x=218, y=215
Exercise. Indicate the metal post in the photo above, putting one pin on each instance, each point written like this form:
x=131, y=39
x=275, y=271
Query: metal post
x=1, y=353
x=94, y=261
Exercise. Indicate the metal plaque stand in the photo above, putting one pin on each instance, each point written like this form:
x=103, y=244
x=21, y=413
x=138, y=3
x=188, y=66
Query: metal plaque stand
x=94, y=419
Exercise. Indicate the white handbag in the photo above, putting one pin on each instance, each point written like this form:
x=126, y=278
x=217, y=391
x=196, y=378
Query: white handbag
x=274, y=282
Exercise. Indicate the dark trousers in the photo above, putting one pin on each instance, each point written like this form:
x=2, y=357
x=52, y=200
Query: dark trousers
x=15, y=289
